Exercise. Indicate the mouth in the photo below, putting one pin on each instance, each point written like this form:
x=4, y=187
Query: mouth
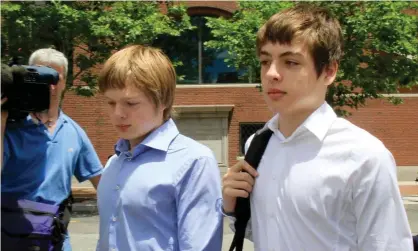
x=123, y=127
x=275, y=93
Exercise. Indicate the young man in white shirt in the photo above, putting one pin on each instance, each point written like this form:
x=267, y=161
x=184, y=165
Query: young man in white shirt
x=323, y=184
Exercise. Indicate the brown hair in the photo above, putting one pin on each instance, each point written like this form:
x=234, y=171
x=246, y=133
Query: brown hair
x=144, y=67
x=311, y=24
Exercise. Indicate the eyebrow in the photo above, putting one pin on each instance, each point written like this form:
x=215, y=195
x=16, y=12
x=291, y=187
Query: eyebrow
x=284, y=54
x=123, y=99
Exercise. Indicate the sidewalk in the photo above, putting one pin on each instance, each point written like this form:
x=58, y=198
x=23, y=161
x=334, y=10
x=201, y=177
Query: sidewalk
x=85, y=202
x=411, y=207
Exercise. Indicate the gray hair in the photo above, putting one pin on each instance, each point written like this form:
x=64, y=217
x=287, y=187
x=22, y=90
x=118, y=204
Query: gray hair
x=50, y=56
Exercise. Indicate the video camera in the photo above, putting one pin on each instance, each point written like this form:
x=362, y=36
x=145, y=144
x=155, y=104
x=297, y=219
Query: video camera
x=27, y=89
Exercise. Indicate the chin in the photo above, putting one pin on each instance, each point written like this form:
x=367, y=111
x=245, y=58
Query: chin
x=274, y=107
x=124, y=135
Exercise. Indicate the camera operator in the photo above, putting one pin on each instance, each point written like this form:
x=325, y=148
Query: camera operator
x=41, y=155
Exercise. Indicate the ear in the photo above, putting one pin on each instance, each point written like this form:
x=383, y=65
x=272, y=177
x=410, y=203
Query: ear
x=330, y=73
x=161, y=108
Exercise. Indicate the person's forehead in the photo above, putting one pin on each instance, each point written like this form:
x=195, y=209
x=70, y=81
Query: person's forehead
x=297, y=48
x=126, y=93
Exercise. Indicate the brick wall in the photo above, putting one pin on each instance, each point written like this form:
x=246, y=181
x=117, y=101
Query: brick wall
x=396, y=126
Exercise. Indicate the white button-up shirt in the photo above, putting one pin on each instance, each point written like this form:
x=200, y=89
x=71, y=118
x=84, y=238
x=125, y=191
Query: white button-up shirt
x=329, y=186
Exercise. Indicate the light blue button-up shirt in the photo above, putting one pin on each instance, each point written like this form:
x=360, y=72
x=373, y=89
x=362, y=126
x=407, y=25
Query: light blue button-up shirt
x=161, y=197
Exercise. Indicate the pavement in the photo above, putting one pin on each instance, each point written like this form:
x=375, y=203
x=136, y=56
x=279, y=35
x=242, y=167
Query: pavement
x=84, y=228
x=84, y=233
x=85, y=223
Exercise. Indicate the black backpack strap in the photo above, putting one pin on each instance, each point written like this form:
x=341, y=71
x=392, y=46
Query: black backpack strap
x=242, y=208
x=62, y=222
x=66, y=209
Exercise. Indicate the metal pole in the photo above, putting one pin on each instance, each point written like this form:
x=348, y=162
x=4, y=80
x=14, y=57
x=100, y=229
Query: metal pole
x=200, y=49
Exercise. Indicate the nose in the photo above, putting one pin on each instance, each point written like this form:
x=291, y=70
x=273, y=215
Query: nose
x=119, y=111
x=273, y=73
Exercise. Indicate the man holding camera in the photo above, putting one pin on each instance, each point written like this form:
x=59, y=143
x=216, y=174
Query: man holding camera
x=44, y=151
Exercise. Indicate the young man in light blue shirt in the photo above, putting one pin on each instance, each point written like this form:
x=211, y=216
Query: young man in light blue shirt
x=159, y=191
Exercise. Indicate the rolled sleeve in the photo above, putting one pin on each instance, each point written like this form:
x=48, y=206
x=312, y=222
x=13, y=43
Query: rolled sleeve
x=232, y=219
x=88, y=163
x=382, y=223
x=200, y=226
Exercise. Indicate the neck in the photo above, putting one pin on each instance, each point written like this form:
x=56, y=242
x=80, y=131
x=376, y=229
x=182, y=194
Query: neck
x=288, y=123
x=134, y=142
x=49, y=117
x=53, y=113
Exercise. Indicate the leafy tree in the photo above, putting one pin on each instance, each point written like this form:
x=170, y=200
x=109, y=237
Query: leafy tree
x=381, y=46
x=87, y=32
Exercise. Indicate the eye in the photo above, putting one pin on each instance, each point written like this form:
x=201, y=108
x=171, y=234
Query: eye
x=111, y=103
x=132, y=104
x=264, y=62
x=291, y=63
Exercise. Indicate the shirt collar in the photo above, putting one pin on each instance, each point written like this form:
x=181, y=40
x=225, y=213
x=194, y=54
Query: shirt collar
x=159, y=139
x=61, y=118
x=318, y=123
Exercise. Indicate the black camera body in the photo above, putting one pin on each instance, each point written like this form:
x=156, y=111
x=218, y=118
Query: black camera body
x=27, y=89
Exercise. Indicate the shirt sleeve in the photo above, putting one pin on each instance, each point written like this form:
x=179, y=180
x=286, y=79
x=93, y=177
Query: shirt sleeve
x=88, y=164
x=248, y=229
x=382, y=224
x=200, y=225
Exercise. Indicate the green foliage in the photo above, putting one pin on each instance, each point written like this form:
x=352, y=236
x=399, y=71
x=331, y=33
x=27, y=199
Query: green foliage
x=378, y=35
x=94, y=28
x=238, y=34
x=381, y=41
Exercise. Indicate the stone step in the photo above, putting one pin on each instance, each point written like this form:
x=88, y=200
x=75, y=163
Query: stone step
x=85, y=195
x=85, y=198
x=408, y=188
x=79, y=192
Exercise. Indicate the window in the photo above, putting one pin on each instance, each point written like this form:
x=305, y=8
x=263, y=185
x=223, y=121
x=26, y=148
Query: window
x=200, y=65
x=245, y=131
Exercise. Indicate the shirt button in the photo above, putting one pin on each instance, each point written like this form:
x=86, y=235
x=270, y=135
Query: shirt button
x=129, y=159
x=114, y=219
x=117, y=187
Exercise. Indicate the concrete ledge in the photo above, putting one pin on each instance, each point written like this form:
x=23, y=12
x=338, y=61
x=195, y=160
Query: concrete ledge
x=218, y=86
x=85, y=200
x=408, y=189
x=84, y=193
x=87, y=193
x=85, y=207
x=202, y=111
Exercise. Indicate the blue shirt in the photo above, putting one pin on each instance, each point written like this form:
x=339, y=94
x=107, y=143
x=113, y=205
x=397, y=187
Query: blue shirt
x=38, y=165
x=161, y=197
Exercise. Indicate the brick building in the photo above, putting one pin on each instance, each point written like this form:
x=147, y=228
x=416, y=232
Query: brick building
x=221, y=114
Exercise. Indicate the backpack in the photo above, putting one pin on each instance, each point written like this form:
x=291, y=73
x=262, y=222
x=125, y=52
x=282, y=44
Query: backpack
x=33, y=226
x=242, y=208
